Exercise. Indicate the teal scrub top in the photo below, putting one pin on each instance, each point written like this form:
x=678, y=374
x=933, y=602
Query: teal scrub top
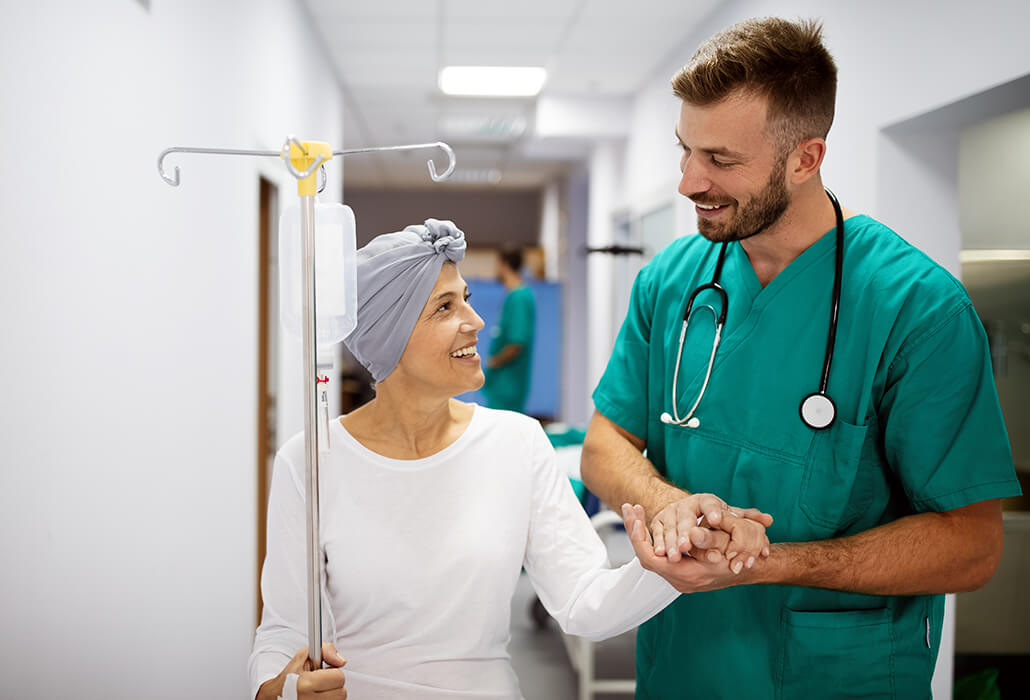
x=507, y=387
x=918, y=429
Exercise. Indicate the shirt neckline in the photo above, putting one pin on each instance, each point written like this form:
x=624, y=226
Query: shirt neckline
x=443, y=455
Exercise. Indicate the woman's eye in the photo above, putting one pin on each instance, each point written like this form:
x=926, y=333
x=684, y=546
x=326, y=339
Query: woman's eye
x=444, y=306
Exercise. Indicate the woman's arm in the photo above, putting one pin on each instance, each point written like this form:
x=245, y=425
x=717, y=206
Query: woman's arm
x=568, y=563
x=284, y=591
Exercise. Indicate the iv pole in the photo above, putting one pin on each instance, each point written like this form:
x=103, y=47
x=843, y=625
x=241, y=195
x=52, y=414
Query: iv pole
x=303, y=159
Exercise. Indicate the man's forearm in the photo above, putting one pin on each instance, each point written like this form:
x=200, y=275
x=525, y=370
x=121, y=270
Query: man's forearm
x=927, y=553
x=507, y=354
x=615, y=470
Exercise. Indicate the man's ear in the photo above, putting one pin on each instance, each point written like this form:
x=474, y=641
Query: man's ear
x=805, y=160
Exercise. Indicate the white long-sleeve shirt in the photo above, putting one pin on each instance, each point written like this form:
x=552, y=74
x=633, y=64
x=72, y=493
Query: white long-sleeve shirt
x=423, y=557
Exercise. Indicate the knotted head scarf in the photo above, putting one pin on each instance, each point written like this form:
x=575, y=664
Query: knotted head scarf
x=396, y=273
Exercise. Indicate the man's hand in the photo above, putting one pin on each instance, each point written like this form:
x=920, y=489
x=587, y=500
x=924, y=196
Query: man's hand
x=703, y=521
x=687, y=575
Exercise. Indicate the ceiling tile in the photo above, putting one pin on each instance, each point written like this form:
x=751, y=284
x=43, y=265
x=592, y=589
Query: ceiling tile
x=528, y=32
x=372, y=9
x=495, y=56
x=380, y=34
x=503, y=11
x=388, y=56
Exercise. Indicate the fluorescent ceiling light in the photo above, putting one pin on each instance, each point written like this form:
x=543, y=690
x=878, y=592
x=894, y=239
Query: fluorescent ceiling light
x=492, y=81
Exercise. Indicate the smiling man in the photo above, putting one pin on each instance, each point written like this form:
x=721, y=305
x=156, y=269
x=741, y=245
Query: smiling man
x=830, y=375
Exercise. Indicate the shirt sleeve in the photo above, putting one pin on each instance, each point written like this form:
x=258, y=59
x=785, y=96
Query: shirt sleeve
x=568, y=564
x=283, y=629
x=621, y=395
x=944, y=435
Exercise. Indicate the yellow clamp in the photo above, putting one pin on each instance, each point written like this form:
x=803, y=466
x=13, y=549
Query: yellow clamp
x=301, y=161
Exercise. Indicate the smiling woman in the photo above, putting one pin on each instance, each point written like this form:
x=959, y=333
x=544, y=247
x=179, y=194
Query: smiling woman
x=431, y=508
x=441, y=353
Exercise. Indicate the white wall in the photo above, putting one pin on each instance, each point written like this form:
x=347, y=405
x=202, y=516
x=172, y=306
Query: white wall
x=994, y=177
x=550, y=230
x=128, y=484
x=606, y=175
x=895, y=60
x=576, y=405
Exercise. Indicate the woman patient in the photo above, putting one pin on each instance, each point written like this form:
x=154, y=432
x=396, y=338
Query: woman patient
x=430, y=508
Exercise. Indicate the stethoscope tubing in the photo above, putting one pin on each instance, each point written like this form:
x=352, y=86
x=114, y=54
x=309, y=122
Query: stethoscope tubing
x=831, y=336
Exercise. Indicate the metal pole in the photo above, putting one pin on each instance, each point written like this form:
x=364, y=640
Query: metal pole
x=316, y=563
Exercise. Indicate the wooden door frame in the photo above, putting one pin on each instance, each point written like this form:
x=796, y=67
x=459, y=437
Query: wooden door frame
x=267, y=200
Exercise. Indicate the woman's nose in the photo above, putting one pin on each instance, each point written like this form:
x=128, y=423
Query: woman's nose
x=473, y=324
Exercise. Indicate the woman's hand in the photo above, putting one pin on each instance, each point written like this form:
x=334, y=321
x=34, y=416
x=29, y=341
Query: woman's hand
x=704, y=521
x=740, y=539
x=690, y=574
x=322, y=684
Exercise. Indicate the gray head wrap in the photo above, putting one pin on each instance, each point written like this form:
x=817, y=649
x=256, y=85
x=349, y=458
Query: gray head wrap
x=396, y=273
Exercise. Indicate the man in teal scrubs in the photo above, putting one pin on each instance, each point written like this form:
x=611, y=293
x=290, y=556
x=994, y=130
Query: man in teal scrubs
x=877, y=515
x=509, y=365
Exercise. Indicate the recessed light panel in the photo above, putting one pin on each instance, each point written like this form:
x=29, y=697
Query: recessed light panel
x=492, y=81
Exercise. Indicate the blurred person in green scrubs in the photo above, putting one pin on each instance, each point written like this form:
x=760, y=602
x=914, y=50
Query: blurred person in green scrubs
x=509, y=365
x=893, y=503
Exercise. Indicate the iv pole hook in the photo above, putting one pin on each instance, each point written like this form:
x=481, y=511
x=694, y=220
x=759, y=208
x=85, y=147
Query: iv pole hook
x=437, y=177
x=451, y=160
x=173, y=179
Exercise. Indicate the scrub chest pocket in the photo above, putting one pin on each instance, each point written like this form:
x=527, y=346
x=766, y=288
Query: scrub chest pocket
x=840, y=476
x=843, y=654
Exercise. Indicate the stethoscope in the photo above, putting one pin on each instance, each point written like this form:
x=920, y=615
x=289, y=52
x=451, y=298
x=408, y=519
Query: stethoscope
x=817, y=410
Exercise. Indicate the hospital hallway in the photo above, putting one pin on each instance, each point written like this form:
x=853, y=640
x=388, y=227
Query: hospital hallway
x=186, y=338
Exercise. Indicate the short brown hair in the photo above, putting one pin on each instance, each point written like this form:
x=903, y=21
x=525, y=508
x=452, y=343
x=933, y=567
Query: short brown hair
x=512, y=257
x=782, y=60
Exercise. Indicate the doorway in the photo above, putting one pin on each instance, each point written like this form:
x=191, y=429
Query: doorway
x=268, y=359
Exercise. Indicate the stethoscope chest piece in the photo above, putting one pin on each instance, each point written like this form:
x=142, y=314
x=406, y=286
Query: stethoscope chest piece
x=818, y=411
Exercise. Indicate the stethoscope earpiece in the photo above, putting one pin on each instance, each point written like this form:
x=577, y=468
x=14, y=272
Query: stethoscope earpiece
x=692, y=422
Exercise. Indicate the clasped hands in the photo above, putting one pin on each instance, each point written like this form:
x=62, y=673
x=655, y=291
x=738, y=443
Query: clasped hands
x=699, y=543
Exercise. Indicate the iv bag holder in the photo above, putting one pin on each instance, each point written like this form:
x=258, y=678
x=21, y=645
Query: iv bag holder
x=283, y=153
x=316, y=562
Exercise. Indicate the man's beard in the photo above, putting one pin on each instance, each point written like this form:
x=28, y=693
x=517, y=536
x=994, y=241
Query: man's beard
x=761, y=212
